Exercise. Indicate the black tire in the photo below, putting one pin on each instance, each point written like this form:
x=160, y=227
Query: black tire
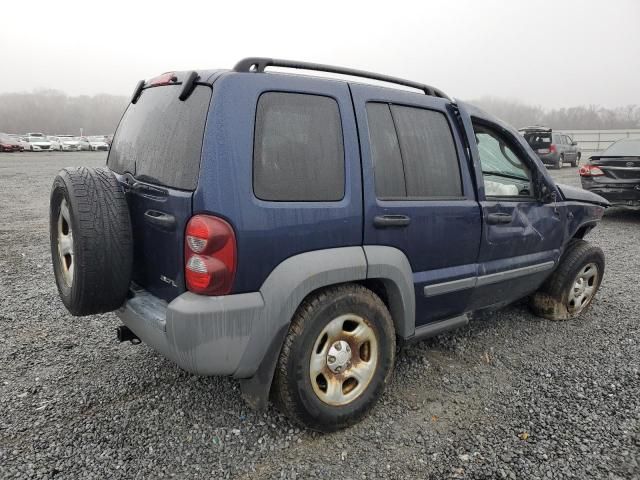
x=552, y=300
x=293, y=391
x=95, y=276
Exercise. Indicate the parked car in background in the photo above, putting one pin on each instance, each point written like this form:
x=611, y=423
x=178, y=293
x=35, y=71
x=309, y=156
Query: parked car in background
x=22, y=141
x=553, y=148
x=71, y=144
x=56, y=144
x=97, y=142
x=38, y=144
x=280, y=229
x=9, y=144
x=615, y=173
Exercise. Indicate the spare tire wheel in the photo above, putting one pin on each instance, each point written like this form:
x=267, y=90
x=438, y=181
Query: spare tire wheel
x=91, y=240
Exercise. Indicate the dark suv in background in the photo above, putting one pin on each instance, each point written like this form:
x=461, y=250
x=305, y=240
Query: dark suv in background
x=553, y=148
x=288, y=230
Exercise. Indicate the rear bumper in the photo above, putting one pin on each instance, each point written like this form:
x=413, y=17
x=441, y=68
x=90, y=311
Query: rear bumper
x=616, y=193
x=548, y=158
x=203, y=335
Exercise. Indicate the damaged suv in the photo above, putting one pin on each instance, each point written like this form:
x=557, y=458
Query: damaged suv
x=290, y=231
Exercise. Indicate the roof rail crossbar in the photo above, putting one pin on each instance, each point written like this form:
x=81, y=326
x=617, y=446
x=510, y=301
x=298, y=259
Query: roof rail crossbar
x=258, y=65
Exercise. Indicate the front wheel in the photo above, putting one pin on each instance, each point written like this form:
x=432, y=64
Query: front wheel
x=570, y=290
x=336, y=359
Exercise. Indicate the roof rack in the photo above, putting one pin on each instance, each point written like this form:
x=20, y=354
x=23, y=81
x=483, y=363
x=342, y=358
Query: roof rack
x=258, y=65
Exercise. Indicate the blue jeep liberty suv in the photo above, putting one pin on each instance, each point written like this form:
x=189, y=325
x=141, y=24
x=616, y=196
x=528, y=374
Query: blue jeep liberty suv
x=291, y=230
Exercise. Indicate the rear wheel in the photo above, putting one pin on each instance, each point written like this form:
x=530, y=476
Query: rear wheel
x=337, y=358
x=570, y=290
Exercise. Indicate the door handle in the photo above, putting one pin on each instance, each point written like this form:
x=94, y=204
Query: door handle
x=161, y=219
x=499, y=218
x=386, y=221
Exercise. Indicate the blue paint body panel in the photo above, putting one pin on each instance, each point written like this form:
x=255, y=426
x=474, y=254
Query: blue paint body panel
x=270, y=232
x=448, y=240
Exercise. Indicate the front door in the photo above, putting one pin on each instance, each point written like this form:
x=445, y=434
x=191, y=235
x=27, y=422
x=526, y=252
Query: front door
x=418, y=195
x=521, y=236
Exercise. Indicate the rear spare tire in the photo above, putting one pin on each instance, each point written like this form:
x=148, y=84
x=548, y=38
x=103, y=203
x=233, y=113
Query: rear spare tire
x=91, y=240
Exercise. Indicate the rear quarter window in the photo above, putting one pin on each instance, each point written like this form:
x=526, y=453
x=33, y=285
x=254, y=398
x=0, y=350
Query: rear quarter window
x=298, y=150
x=159, y=139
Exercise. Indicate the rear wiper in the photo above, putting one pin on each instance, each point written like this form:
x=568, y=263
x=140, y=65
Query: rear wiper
x=505, y=175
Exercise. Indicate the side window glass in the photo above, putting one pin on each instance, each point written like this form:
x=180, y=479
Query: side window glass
x=504, y=173
x=385, y=152
x=298, y=152
x=429, y=156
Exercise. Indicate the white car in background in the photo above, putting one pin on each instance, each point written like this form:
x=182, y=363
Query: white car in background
x=56, y=143
x=38, y=144
x=98, y=142
x=73, y=144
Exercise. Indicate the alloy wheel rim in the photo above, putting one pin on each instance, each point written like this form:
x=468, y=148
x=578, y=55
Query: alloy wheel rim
x=343, y=360
x=65, y=243
x=583, y=288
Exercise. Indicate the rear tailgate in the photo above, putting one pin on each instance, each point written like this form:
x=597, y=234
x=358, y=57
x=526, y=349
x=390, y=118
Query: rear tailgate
x=538, y=140
x=156, y=153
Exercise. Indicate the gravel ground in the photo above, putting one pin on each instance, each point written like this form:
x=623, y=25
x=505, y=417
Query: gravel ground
x=509, y=396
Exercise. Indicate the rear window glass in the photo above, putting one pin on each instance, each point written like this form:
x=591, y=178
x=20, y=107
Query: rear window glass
x=428, y=151
x=385, y=152
x=159, y=139
x=298, y=150
x=625, y=148
x=538, y=139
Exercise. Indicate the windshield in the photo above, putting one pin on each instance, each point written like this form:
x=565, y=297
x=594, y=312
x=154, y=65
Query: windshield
x=623, y=148
x=5, y=138
x=96, y=139
x=36, y=139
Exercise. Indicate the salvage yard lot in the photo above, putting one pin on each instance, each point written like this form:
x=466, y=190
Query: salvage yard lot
x=509, y=396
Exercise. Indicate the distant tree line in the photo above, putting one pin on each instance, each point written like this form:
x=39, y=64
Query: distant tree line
x=589, y=117
x=54, y=112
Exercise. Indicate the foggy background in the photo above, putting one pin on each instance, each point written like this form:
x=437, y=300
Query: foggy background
x=568, y=64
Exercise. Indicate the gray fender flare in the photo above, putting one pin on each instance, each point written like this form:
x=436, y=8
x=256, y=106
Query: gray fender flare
x=295, y=278
x=392, y=267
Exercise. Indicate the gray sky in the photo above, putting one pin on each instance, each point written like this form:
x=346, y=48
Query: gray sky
x=550, y=53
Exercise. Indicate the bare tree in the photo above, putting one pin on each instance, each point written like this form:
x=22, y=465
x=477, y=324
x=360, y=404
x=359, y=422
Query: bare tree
x=591, y=117
x=54, y=112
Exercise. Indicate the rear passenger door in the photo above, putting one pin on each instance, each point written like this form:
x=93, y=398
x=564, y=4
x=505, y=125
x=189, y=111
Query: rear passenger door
x=418, y=195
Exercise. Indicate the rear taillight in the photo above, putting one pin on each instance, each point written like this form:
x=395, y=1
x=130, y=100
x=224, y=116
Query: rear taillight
x=552, y=148
x=590, y=171
x=209, y=255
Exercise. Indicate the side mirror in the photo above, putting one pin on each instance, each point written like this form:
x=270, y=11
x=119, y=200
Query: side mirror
x=574, y=143
x=547, y=195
